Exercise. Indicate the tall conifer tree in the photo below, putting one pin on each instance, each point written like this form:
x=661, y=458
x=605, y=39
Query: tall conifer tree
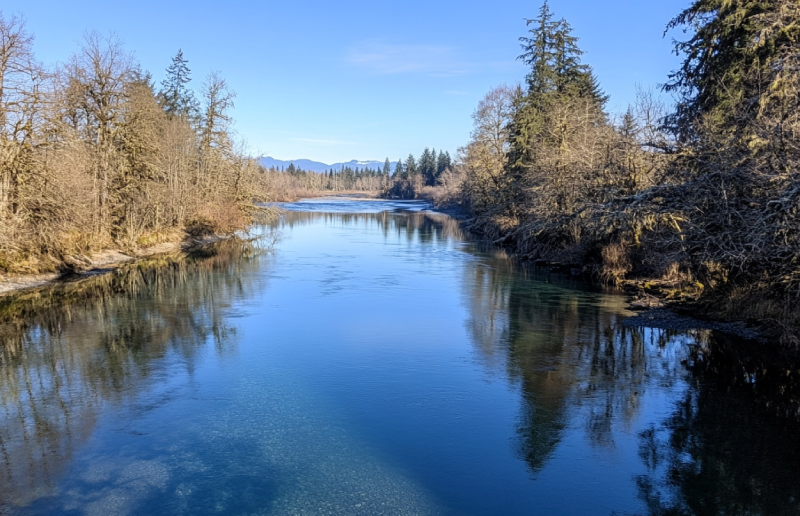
x=557, y=82
x=399, y=171
x=427, y=166
x=554, y=58
x=175, y=97
x=442, y=162
x=740, y=53
x=411, y=166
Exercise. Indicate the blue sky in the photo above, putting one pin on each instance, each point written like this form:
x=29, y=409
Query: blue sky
x=334, y=81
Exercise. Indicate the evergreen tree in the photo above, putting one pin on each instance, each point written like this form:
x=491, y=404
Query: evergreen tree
x=387, y=168
x=554, y=58
x=427, y=166
x=411, y=167
x=442, y=162
x=559, y=86
x=175, y=97
x=399, y=171
x=538, y=52
x=740, y=52
x=566, y=58
x=588, y=85
x=628, y=127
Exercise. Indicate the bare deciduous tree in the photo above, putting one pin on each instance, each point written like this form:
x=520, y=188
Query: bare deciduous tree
x=89, y=159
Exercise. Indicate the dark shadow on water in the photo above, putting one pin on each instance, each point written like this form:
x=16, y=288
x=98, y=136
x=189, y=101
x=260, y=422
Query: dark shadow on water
x=715, y=456
x=732, y=444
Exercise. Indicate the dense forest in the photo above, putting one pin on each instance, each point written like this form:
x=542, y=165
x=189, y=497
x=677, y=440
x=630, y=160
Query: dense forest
x=702, y=197
x=93, y=154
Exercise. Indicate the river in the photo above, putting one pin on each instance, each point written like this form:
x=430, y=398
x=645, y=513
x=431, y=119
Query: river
x=376, y=360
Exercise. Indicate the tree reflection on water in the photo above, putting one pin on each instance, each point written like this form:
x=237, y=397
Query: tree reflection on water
x=714, y=456
x=731, y=444
x=728, y=443
x=67, y=351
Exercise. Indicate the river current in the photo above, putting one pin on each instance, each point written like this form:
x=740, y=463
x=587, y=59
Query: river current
x=375, y=360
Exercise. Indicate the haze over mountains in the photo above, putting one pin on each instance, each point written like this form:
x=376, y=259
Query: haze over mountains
x=316, y=166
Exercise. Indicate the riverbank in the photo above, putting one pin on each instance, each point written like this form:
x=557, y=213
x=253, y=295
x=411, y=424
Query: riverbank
x=101, y=262
x=658, y=303
x=667, y=319
x=674, y=306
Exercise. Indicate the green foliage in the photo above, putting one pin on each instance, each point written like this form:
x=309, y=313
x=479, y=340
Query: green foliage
x=741, y=54
x=175, y=97
x=427, y=167
x=539, y=52
x=409, y=178
x=443, y=162
x=411, y=166
x=562, y=99
x=400, y=171
x=628, y=127
x=554, y=58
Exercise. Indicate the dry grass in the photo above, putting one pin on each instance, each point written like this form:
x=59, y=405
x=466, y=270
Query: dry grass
x=616, y=262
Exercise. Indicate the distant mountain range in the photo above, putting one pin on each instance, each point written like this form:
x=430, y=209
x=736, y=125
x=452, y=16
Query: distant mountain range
x=316, y=166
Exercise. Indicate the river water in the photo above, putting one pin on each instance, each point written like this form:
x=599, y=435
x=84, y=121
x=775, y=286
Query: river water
x=376, y=360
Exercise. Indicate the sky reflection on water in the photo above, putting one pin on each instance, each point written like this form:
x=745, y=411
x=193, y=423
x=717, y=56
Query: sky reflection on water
x=378, y=362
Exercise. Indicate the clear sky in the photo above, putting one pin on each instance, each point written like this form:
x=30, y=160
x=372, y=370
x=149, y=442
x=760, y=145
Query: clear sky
x=354, y=79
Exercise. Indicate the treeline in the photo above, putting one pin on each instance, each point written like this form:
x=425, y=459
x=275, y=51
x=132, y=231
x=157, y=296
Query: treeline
x=428, y=169
x=412, y=176
x=93, y=154
x=407, y=180
x=704, y=197
x=364, y=179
